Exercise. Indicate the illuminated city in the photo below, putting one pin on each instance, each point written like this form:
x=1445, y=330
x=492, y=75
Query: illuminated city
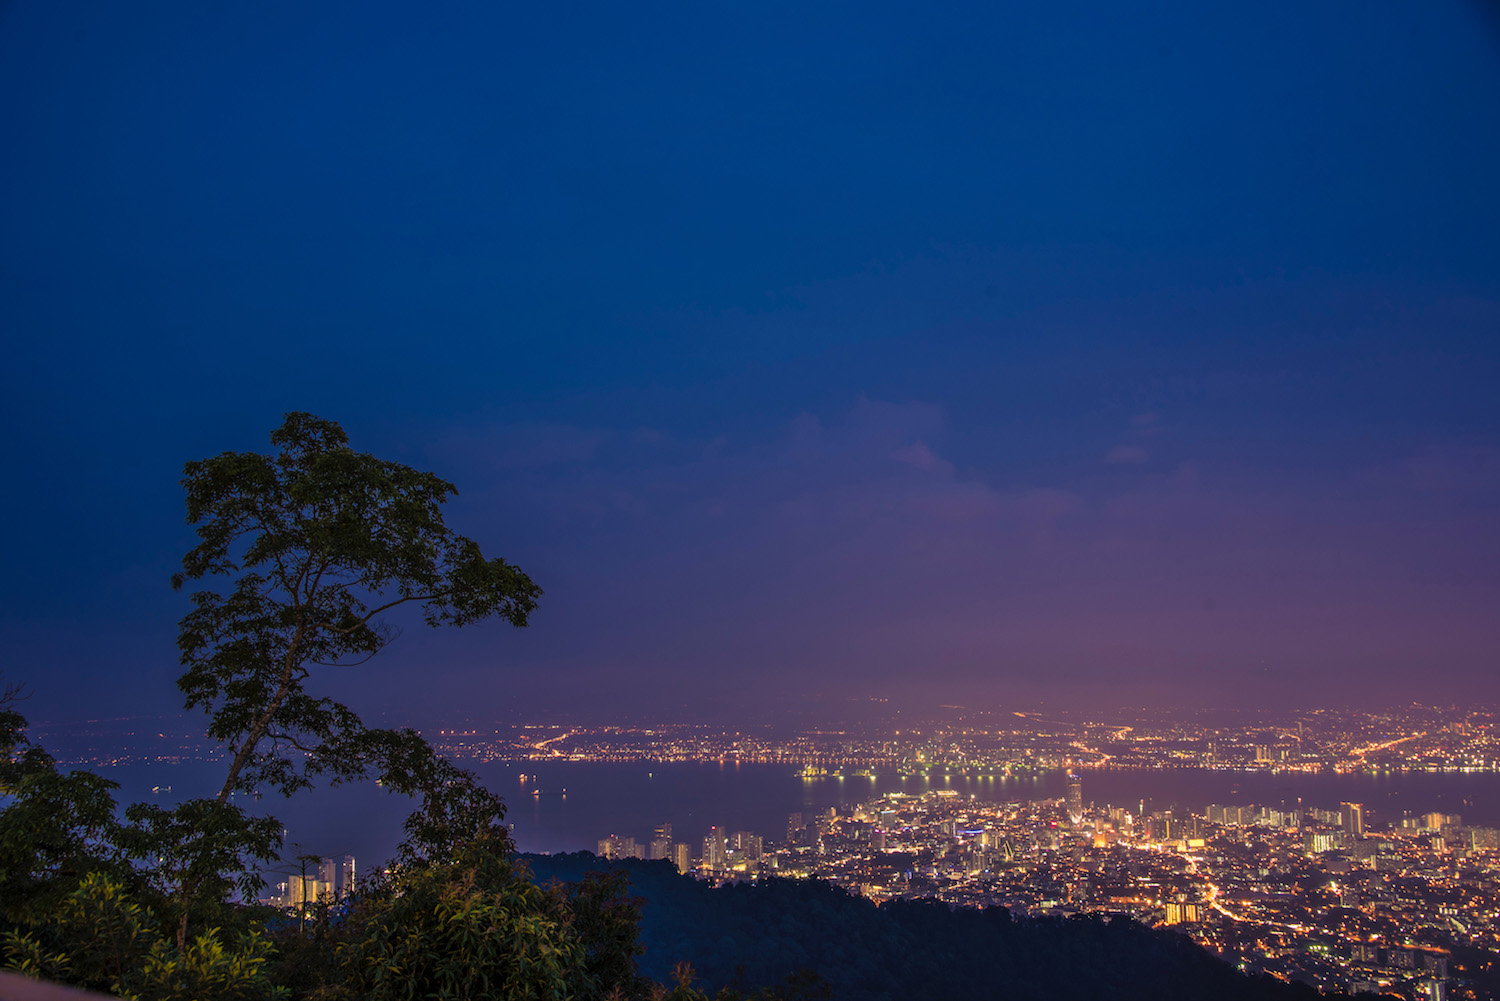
x=1304, y=894
x=1339, y=894
x=750, y=502
x=1413, y=738
x=1309, y=892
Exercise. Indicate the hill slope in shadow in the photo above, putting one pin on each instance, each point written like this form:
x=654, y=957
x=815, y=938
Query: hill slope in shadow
x=757, y=935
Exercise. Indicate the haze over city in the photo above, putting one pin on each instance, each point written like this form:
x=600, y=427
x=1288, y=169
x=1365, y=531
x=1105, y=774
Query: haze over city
x=1077, y=357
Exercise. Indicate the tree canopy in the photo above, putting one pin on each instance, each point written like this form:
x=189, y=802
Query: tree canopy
x=315, y=542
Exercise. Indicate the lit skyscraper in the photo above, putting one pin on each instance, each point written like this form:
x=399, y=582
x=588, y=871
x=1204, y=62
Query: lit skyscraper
x=1075, y=799
x=328, y=874
x=1354, y=819
x=749, y=847
x=618, y=848
x=714, y=849
x=661, y=843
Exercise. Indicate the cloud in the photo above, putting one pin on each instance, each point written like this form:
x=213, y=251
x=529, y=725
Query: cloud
x=1126, y=453
x=872, y=430
x=858, y=547
x=919, y=456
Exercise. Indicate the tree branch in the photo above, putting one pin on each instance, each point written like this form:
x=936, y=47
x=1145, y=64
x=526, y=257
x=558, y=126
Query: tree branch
x=291, y=740
x=345, y=630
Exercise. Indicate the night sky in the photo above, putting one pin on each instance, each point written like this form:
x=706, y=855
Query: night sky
x=1094, y=354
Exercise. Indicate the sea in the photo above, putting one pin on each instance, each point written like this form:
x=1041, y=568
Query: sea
x=565, y=806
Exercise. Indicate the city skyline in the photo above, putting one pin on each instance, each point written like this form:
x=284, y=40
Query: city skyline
x=1303, y=893
x=1351, y=850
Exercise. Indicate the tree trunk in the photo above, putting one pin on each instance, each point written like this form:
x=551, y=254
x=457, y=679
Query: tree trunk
x=252, y=738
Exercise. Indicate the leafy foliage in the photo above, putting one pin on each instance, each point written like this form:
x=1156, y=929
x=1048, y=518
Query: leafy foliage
x=605, y=921
x=102, y=938
x=196, y=853
x=476, y=925
x=316, y=541
x=456, y=812
x=56, y=828
x=319, y=540
x=479, y=927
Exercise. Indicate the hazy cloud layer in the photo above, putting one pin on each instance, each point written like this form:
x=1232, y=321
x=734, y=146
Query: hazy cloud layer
x=848, y=551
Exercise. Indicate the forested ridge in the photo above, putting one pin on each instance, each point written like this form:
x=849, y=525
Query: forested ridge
x=756, y=935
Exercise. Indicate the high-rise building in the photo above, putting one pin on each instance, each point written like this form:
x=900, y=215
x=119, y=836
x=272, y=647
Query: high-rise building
x=1075, y=799
x=793, y=828
x=1317, y=841
x=1354, y=819
x=309, y=886
x=1184, y=912
x=682, y=855
x=346, y=875
x=714, y=849
x=749, y=847
x=661, y=842
x=616, y=848
x=328, y=874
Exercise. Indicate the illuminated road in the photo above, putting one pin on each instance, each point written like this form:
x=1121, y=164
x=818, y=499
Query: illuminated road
x=1362, y=751
x=542, y=745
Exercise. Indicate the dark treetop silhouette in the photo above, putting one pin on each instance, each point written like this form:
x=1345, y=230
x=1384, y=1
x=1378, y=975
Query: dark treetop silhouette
x=318, y=541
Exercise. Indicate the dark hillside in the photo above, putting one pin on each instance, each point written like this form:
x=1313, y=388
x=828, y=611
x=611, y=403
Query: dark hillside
x=757, y=935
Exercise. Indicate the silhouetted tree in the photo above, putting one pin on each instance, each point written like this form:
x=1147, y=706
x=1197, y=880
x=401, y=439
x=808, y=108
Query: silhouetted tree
x=316, y=541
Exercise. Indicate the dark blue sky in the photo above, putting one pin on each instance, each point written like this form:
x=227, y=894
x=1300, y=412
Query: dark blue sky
x=1078, y=352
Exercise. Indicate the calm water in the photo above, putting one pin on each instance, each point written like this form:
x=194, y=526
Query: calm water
x=568, y=806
